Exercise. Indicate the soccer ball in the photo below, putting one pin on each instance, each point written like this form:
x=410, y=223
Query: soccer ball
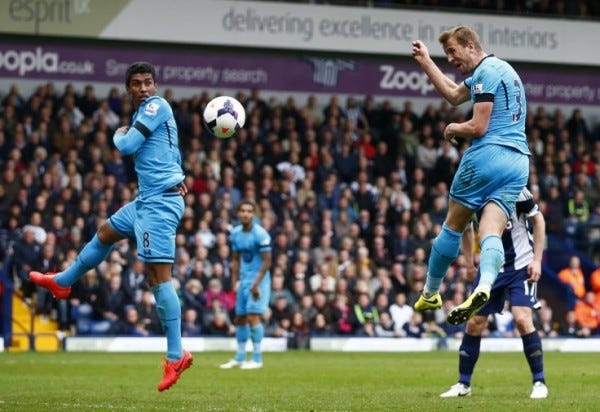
x=224, y=116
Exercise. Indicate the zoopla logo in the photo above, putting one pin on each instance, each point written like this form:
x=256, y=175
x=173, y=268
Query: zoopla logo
x=37, y=60
x=401, y=80
x=27, y=61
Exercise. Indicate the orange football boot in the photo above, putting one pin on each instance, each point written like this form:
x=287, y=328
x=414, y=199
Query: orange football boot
x=46, y=280
x=173, y=370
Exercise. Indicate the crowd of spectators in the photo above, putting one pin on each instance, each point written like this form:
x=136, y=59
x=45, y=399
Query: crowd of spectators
x=352, y=192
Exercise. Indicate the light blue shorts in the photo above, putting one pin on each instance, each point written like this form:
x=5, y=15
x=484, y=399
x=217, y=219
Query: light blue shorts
x=153, y=221
x=245, y=302
x=490, y=173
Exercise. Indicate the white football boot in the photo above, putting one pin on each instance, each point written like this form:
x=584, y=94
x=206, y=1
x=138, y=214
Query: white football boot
x=456, y=390
x=539, y=391
x=231, y=364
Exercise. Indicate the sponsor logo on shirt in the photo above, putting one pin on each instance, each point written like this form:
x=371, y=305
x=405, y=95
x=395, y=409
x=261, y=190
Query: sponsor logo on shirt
x=151, y=109
x=478, y=88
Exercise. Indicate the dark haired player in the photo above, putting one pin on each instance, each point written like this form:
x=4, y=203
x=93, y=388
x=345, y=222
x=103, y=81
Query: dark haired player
x=251, y=246
x=152, y=218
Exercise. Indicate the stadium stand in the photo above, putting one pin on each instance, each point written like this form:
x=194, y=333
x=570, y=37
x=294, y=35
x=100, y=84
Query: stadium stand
x=338, y=231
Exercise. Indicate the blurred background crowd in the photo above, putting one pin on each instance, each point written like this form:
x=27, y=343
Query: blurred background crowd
x=352, y=192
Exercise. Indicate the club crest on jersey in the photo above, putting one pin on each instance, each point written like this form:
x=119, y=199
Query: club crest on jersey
x=151, y=109
x=477, y=88
x=247, y=256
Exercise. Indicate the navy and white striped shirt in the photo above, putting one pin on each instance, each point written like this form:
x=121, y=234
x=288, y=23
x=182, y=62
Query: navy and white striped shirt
x=517, y=239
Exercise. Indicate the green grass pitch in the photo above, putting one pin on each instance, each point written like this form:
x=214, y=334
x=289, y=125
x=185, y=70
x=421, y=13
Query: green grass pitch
x=293, y=381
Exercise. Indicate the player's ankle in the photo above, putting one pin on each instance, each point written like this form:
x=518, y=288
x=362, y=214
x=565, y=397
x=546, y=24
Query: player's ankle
x=484, y=288
x=427, y=293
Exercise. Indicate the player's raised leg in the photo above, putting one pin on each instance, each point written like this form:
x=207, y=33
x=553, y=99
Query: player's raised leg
x=491, y=226
x=93, y=253
x=443, y=252
x=492, y=259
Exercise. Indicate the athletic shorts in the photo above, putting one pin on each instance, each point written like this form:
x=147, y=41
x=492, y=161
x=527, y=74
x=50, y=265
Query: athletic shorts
x=490, y=173
x=246, y=304
x=512, y=286
x=153, y=221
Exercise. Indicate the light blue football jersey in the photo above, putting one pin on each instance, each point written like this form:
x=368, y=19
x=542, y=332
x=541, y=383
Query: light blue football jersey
x=157, y=158
x=152, y=218
x=495, y=80
x=250, y=245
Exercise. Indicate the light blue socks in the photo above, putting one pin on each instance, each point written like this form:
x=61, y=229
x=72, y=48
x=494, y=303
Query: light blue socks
x=257, y=333
x=90, y=256
x=491, y=260
x=242, y=332
x=444, y=251
x=169, y=313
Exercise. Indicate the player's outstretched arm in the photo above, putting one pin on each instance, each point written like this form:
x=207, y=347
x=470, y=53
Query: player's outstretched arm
x=455, y=93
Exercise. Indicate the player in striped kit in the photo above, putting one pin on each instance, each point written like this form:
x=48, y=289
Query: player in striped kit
x=517, y=281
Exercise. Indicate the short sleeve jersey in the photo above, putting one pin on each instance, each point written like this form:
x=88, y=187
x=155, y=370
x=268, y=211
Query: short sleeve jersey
x=158, y=159
x=494, y=80
x=250, y=245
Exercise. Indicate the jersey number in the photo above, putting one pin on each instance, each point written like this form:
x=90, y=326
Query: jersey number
x=530, y=289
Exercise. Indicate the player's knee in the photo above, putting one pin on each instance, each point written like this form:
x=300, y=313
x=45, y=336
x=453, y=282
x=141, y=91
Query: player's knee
x=524, y=323
x=107, y=235
x=253, y=320
x=240, y=320
x=476, y=325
